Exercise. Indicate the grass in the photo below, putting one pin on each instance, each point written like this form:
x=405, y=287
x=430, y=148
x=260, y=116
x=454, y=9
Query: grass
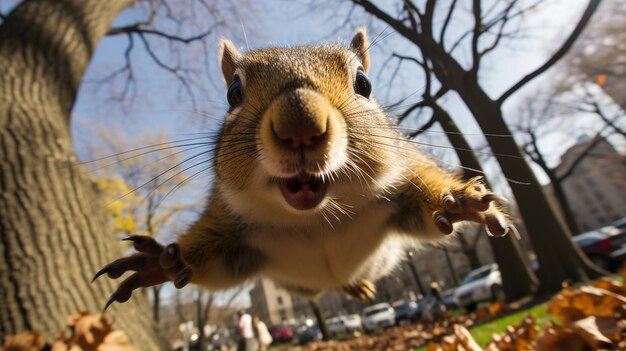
x=483, y=333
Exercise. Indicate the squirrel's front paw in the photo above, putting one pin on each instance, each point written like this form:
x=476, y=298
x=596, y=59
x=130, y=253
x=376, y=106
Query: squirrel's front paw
x=153, y=265
x=473, y=202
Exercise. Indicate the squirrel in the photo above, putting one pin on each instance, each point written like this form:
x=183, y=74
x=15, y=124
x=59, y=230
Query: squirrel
x=315, y=187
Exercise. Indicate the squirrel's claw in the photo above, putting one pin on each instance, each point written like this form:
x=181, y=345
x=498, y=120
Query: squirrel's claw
x=125, y=290
x=473, y=202
x=153, y=264
x=145, y=244
x=120, y=266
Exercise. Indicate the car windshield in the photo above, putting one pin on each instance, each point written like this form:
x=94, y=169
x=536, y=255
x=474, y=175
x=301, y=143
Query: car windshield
x=477, y=274
x=375, y=311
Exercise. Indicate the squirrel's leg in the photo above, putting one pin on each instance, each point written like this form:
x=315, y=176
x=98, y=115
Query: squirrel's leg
x=443, y=200
x=213, y=253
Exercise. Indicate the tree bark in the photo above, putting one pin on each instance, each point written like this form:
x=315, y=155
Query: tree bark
x=455, y=277
x=469, y=251
x=416, y=277
x=321, y=322
x=518, y=280
x=53, y=235
x=559, y=192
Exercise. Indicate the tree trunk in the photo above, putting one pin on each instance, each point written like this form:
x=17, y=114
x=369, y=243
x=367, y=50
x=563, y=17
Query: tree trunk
x=416, y=277
x=557, y=186
x=518, y=280
x=566, y=209
x=453, y=274
x=469, y=251
x=53, y=235
x=567, y=263
x=321, y=322
x=156, y=303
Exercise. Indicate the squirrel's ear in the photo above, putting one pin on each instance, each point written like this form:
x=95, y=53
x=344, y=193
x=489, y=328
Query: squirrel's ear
x=360, y=46
x=229, y=56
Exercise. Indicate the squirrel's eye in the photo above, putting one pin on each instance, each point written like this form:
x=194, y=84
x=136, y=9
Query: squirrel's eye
x=235, y=93
x=362, y=85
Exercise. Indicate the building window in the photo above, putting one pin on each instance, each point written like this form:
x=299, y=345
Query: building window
x=280, y=300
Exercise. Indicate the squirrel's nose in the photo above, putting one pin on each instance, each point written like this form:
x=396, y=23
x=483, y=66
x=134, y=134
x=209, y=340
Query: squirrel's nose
x=301, y=135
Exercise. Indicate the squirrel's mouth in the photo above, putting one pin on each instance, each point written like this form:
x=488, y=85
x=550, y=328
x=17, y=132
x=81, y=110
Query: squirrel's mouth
x=304, y=191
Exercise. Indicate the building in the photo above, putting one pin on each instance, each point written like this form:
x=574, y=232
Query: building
x=596, y=189
x=275, y=305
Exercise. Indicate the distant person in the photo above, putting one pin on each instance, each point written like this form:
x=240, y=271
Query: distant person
x=435, y=291
x=245, y=333
x=263, y=334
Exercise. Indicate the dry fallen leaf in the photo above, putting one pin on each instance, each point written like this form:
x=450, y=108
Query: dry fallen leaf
x=515, y=338
x=558, y=338
x=597, y=332
x=92, y=332
x=574, y=304
x=29, y=341
x=610, y=285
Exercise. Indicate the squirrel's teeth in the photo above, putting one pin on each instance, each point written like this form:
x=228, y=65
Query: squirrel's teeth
x=303, y=191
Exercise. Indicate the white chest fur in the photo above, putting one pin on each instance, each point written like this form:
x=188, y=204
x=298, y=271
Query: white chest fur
x=324, y=257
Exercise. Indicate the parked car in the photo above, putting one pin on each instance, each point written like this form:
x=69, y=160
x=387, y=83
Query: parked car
x=406, y=311
x=381, y=315
x=308, y=333
x=281, y=333
x=344, y=324
x=606, y=247
x=620, y=224
x=481, y=284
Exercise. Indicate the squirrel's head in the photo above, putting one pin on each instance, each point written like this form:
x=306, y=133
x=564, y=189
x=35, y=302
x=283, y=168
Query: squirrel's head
x=303, y=131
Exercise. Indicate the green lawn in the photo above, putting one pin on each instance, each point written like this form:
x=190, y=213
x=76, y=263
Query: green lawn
x=482, y=333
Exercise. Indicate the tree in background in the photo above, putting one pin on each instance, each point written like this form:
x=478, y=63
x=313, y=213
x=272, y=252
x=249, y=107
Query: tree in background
x=535, y=123
x=427, y=27
x=54, y=234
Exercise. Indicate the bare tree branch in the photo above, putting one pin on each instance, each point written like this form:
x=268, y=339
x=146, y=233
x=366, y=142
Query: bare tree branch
x=175, y=71
x=595, y=141
x=595, y=108
x=409, y=8
x=591, y=8
x=424, y=127
x=501, y=28
x=398, y=26
x=446, y=22
x=185, y=40
x=478, y=30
